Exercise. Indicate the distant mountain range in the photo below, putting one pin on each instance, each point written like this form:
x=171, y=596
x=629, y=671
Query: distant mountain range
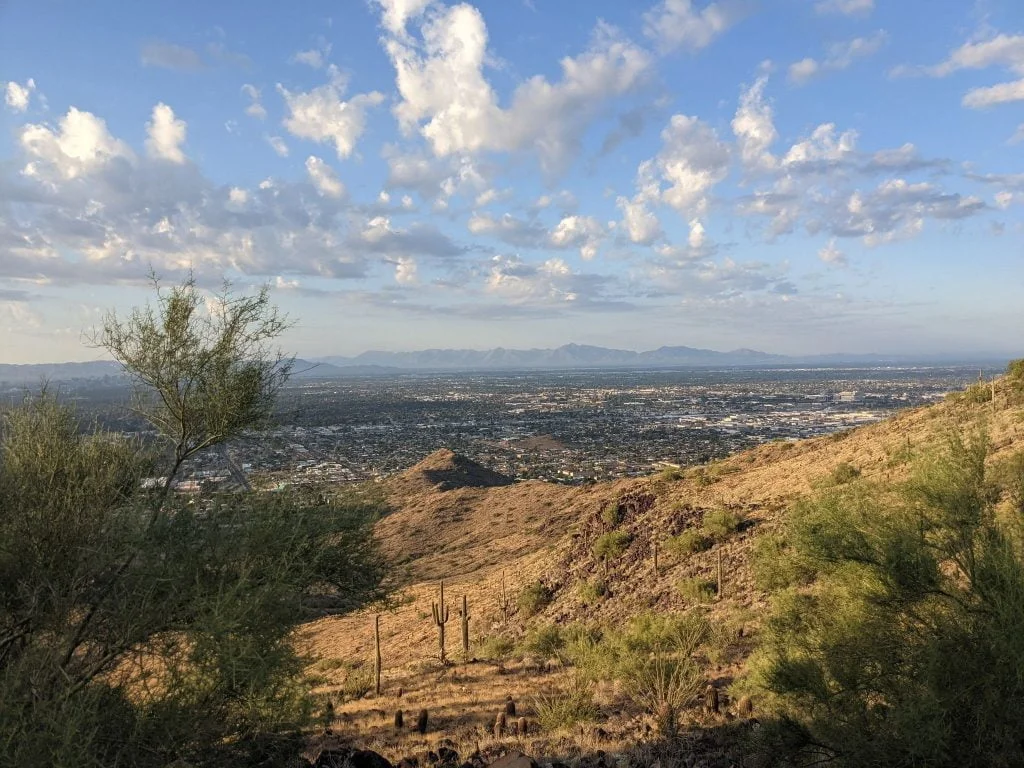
x=568, y=356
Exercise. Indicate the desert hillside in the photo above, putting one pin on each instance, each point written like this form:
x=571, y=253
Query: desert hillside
x=491, y=540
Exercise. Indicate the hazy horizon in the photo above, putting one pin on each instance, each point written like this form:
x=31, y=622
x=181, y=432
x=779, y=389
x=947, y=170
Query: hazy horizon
x=811, y=177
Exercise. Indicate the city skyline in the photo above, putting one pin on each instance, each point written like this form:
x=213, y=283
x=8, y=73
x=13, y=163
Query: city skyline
x=803, y=177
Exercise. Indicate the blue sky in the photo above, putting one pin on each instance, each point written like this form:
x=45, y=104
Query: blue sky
x=797, y=176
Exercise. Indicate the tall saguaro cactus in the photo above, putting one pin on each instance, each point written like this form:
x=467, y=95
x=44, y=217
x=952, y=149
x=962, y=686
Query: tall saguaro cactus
x=376, y=658
x=440, y=612
x=464, y=617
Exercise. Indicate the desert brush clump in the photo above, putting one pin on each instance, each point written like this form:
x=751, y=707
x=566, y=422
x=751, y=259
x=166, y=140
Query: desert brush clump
x=534, y=598
x=611, y=545
x=908, y=644
x=545, y=642
x=496, y=647
x=688, y=542
x=697, y=590
x=720, y=524
x=612, y=514
x=566, y=707
x=593, y=591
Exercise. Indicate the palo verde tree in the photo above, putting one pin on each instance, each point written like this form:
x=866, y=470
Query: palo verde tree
x=901, y=639
x=138, y=627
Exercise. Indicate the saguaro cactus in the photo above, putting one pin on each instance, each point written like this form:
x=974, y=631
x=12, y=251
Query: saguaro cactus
x=440, y=611
x=376, y=657
x=499, y=725
x=464, y=617
x=421, y=721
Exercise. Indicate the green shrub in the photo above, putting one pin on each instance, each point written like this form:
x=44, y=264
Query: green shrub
x=773, y=567
x=978, y=393
x=671, y=474
x=843, y=473
x=611, y=545
x=545, y=642
x=593, y=592
x=567, y=707
x=534, y=598
x=611, y=514
x=358, y=682
x=496, y=648
x=697, y=590
x=687, y=543
x=720, y=524
x=908, y=647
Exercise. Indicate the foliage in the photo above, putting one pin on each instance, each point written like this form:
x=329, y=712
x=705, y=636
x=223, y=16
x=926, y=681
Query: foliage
x=496, y=647
x=358, y=682
x=671, y=474
x=611, y=545
x=565, y=708
x=204, y=372
x=611, y=515
x=908, y=647
x=138, y=627
x=773, y=565
x=534, y=598
x=843, y=473
x=593, y=592
x=687, y=543
x=696, y=589
x=652, y=656
x=719, y=524
x=545, y=642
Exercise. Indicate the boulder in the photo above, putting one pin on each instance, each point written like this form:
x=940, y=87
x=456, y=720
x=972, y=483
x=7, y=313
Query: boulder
x=515, y=760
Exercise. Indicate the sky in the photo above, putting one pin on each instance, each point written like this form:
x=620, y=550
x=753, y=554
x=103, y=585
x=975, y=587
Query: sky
x=795, y=176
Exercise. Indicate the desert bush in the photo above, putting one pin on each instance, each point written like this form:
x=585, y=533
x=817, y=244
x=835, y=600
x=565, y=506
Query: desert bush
x=534, y=598
x=843, y=473
x=496, y=647
x=671, y=474
x=720, y=524
x=611, y=545
x=696, y=589
x=358, y=682
x=545, y=642
x=909, y=644
x=611, y=515
x=687, y=543
x=978, y=393
x=566, y=707
x=773, y=566
x=594, y=591
x=138, y=627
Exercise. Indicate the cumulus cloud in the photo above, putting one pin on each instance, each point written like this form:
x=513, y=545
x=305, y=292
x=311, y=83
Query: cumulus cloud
x=314, y=57
x=406, y=270
x=845, y=7
x=754, y=128
x=165, y=135
x=674, y=24
x=323, y=177
x=446, y=97
x=80, y=145
x=17, y=96
x=979, y=98
x=321, y=115
x=583, y=232
x=255, y=107
x=838, y=56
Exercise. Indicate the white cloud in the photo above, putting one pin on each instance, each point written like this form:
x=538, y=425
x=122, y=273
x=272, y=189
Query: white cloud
x=676, y=24
x=697, y=236
x=583, y=232
x=692, y=161
x=323, y=177
x=832, y=256
x=754, y=128
x=255, y=108
x=838, y=56
x=237, y=197
x=446, y=97
x=1003, y=93
x=278, y=145
x=321, y=115
x=822, y=146
x=406, y=270
x=165, y=135
x=802, y=71
x=81, y=146
x=170, y=56
x=314, y=57
x=641, y=223
x=17, y=96
x=1002, y=50
x=396, y=13
x=845, y=7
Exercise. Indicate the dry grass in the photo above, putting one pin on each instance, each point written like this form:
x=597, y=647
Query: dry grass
x=531, y=531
